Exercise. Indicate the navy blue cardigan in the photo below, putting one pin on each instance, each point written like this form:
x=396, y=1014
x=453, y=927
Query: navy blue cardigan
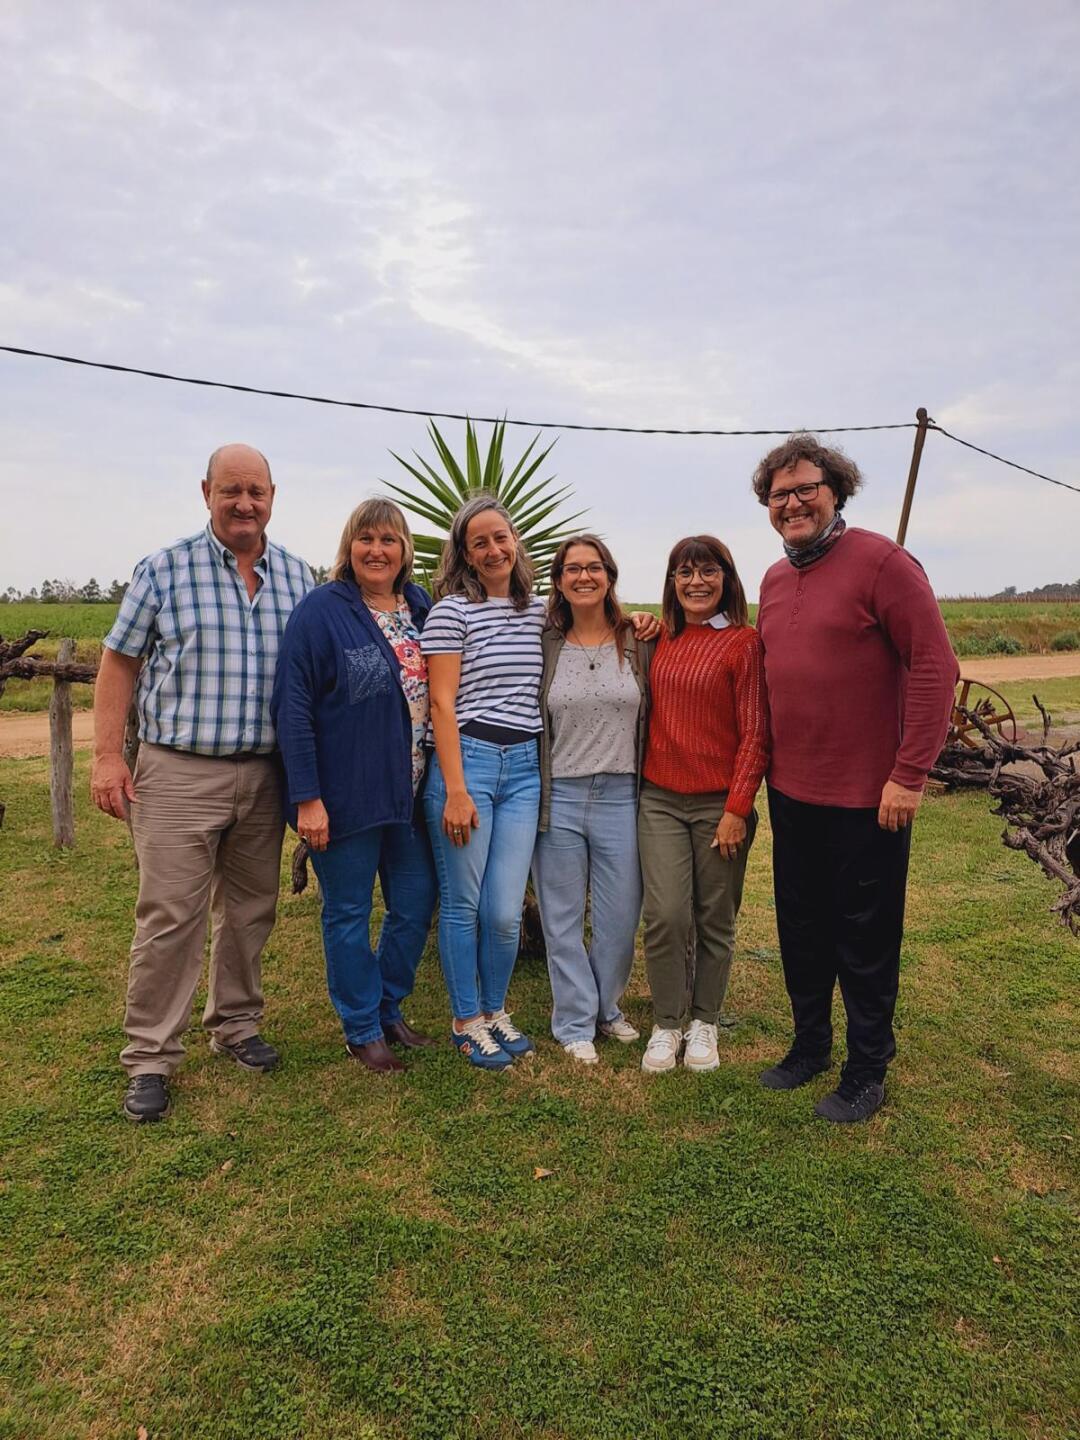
x=340, y=712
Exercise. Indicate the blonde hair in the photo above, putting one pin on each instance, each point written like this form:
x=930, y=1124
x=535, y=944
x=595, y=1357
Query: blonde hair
x=375, y=514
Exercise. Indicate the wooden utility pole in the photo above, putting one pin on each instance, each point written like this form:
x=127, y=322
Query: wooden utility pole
x=913, y=473
x=61, y=754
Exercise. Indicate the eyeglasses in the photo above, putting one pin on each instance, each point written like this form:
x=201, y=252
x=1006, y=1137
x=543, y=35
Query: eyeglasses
x=778, y=498
x=594, y=570
x=703, y=572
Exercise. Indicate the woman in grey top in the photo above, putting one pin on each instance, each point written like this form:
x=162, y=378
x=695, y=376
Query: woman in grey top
x=593, y=702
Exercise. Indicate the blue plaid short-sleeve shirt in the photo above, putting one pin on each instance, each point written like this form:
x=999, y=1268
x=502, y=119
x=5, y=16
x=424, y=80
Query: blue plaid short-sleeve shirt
x=210, y=651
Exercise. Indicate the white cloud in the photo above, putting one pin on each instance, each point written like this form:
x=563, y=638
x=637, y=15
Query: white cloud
x=584, y=212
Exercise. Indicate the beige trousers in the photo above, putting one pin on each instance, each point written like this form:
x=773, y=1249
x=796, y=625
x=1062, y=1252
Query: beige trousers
x=208, y=836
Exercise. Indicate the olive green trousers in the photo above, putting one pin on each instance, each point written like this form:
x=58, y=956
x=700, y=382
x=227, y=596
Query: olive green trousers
x=687, y=883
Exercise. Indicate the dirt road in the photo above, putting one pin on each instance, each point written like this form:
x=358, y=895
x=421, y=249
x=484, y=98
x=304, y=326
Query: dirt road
x=993, y=668
x=23, y=735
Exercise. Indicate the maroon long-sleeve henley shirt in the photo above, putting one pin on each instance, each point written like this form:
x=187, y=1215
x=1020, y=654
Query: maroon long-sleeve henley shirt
x=859, y=672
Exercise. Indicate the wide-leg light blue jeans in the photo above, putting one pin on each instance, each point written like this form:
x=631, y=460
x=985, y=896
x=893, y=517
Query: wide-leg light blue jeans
x=482, y=884
x=590, y=845
x=367, y=986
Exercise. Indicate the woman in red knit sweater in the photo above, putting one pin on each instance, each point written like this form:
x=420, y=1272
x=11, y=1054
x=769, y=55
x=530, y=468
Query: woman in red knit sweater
x=704, y=761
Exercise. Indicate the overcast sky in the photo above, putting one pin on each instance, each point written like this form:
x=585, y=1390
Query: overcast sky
x=741, y=215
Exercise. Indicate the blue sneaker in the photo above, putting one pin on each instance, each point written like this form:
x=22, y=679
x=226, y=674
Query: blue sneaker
x=480, y=1047
x=509, y=1036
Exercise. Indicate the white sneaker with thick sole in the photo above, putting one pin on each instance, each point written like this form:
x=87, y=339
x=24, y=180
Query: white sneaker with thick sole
x=582, y=1050
x=662, y=1051
x=620, y=1030
x=700, y=1052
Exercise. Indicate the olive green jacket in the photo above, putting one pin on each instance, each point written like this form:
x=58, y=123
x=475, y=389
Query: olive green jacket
x=639, y=653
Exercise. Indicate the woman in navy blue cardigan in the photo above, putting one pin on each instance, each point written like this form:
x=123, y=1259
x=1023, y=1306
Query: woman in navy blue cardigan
x=350, y=706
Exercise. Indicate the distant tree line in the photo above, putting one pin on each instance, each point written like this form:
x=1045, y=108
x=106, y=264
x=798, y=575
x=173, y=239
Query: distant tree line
x=1044, y=592
x=66, y=592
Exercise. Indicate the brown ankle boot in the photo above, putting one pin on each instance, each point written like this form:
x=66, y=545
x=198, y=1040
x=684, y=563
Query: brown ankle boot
x=400, y=1032
x=376, y=1055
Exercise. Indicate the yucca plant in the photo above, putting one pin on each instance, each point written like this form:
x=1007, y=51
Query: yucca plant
x=444, y=486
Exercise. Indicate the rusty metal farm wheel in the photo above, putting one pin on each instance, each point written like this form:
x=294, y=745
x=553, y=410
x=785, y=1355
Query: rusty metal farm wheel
x=992, y=709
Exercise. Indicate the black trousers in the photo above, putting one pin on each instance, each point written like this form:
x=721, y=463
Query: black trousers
x=840, y=882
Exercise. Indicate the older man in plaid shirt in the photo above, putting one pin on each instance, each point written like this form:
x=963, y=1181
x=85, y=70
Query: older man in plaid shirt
x=198, y=632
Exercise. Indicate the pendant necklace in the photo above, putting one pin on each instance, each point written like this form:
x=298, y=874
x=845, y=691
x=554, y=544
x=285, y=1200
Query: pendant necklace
x=593, y=654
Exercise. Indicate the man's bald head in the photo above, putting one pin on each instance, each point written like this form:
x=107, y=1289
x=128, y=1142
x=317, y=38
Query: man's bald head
x=239, y=494
x=245, y=454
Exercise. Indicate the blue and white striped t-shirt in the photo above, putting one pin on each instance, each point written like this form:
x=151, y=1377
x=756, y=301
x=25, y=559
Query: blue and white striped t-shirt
x=210, y=651
x=501, y=660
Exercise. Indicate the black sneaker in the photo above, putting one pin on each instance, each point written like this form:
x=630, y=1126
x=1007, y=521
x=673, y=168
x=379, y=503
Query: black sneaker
x=854, y=1099
x=253, y=1053
x=795, y=1069
x=146, y=1099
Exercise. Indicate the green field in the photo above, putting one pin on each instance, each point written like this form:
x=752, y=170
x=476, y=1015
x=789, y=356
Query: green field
x=984, y=628
x=81, y=622
x=327, y=1254
x=975, y=627
x=1060, y=695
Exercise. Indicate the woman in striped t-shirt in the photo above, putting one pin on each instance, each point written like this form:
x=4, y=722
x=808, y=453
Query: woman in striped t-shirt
x=482, y=644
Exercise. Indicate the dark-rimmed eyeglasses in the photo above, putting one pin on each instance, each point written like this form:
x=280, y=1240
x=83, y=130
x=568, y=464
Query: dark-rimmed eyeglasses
x=594, y=570
x=703, y=572
x=779, y=498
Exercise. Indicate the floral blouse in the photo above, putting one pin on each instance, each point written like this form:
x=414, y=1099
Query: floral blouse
x=401, y=632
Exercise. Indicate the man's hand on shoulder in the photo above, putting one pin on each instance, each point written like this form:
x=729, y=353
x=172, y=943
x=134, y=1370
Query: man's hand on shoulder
x=898, y=806
x=111, y=785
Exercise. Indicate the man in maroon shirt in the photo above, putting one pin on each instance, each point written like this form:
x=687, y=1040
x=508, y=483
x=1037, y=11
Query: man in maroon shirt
x=860, y=677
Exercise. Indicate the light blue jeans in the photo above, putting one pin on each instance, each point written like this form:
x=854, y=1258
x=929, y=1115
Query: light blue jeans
x=590, y=844
x=482, y=884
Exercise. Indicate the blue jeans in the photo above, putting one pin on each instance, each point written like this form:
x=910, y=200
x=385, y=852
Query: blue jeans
x=590, y=844
x=366, y=986
x=482, y=884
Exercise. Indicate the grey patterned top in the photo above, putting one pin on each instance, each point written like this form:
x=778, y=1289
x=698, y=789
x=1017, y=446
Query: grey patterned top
x=594, y=713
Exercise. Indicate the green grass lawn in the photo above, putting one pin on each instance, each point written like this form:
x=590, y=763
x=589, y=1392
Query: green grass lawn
x=326, y=1253
x=1060, y=695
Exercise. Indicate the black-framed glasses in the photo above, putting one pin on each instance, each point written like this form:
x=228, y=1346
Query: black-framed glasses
x=703, y=572
x=594, y=569
x=778, y=498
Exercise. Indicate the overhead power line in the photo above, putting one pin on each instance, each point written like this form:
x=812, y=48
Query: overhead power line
x=1002, y=461
x=425, y=414
x=429, y=414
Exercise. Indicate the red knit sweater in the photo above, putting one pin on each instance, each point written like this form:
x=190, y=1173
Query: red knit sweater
x=707, y=722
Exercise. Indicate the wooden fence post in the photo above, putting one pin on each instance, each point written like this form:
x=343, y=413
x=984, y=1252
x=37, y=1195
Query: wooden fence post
x=924, y=422
x=61, y=754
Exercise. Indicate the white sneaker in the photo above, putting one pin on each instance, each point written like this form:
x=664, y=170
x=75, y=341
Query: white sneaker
x=620, y=1030
x=583, y=1050
x=662, y=1051
x=700, y=1053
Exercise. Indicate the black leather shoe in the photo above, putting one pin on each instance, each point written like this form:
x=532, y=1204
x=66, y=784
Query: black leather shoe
x=376, y=1055
x=795, y=1069
x=400, y=1032
x=853, y=1100
x=146, y=1099
x=253, y=1053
